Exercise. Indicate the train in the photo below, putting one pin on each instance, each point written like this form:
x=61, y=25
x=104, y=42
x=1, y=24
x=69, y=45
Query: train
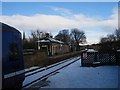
x=12, y=58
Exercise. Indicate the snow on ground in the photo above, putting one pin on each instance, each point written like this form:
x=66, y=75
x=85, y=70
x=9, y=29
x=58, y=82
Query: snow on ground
x=75, y=76
x=38, y=68
x=31, y=68
x=46, y=71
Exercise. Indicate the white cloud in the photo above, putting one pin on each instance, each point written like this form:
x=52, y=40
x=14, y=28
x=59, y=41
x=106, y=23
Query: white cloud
x=53, y=23
x=111, y=24
x=62, y=11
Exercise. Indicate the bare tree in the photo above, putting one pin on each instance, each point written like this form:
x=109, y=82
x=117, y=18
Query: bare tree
x=103, y=40
x=111, y=37
x=40, y=34
x=78, y=37
x=63, y=36
x=34, y=36
x=111, y=41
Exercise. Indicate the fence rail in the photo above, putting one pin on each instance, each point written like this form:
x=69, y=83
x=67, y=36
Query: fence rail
x=100, y=58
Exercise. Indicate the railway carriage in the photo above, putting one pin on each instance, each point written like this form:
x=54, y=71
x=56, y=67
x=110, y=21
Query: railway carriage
x=12, y=58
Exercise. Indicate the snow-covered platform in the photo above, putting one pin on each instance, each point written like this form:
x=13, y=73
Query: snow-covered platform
x=75, y=76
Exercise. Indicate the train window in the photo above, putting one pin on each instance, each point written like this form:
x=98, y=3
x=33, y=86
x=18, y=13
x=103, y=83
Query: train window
x=13, y=52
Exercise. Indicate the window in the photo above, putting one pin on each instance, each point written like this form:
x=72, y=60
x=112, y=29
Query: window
x=13, y=52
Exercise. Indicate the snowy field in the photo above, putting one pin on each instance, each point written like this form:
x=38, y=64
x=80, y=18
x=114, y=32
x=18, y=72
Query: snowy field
x=75, y=76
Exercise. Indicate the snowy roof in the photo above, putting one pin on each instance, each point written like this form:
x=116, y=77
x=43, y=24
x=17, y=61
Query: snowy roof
x=91, y=50
x=43, y=41
x=83, y=44
x=118, y=50
x=8, y=27
x=53, y=40
x=50, y=40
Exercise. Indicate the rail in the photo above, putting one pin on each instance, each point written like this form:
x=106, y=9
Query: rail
x=40, y=74
x=39, y=69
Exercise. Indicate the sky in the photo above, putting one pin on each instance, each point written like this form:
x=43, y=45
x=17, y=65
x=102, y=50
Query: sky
x=96, y=19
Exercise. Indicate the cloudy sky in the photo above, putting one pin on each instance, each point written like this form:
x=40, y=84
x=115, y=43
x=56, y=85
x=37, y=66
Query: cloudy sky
x=96, y=19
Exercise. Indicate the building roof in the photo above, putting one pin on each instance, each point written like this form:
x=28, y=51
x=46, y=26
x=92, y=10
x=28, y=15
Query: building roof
x=6, y=27
x=118, y=50
x=50, y=40
x=91, y=50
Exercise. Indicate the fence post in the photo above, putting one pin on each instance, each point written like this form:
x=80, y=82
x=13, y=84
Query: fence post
x=109, y=58
x=118, y=57
x=95, y=57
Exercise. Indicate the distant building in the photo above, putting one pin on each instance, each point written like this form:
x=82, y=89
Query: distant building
x=52, y=46
x=72, y=47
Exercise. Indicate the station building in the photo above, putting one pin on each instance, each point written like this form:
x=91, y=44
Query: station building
x=52, y=46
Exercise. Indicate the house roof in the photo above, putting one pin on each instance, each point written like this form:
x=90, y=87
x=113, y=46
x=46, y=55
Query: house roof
x=118, y=50
x=91, y=50
x=6, y=27
x=50, y=40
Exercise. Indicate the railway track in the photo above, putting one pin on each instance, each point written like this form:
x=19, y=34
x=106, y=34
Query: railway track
x=34, y=71
x=40, y=74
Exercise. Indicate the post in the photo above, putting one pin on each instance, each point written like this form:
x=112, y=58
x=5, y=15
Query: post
x=38, y=44
x=95, y=56
x=118, y=57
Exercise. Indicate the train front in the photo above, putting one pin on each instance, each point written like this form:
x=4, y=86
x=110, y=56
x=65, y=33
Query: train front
x=12, y=58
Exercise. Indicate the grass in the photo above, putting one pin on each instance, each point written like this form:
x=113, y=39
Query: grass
x=41, y=59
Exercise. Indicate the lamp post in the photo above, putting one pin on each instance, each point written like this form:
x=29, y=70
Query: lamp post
x=38, y=43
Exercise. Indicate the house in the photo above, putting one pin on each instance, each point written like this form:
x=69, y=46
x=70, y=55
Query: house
x=52, y=46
